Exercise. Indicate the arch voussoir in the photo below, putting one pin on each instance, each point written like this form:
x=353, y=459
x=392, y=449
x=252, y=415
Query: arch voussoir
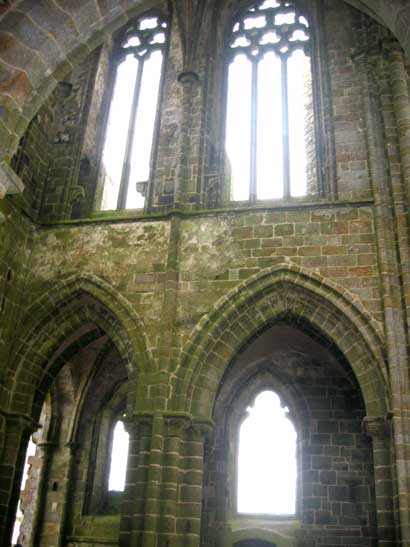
x=58, y=314
x=267, y=297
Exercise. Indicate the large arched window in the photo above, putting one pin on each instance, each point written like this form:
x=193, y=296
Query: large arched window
x=126, y=156
x=267, y=467
x=270, y=134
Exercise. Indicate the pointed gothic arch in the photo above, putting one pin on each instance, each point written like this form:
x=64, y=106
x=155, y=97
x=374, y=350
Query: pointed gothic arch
x=276, y=293
x=79, y=308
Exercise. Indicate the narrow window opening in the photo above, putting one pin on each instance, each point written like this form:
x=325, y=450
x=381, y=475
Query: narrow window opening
x=267, y=469
x=119, y=457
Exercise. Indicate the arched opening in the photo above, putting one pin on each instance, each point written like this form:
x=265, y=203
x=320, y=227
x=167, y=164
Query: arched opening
x=298, y=370
x=88, y=373
x=267, y=467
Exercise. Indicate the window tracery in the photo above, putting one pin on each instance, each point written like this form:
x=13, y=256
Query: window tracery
x=270, y=127
x=126, y=155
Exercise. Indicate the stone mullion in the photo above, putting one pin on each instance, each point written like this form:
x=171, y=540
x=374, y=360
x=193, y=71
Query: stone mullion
x=388, y=257
x=379, y=430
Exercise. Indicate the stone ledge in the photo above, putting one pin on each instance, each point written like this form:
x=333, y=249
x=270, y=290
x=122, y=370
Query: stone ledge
x=10, y=183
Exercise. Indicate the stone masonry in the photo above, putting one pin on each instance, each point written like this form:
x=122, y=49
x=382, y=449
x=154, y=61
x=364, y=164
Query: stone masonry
x=175, y=317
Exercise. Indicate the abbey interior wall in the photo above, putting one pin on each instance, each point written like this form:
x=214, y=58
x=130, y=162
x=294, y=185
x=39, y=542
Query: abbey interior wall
x=173, y=269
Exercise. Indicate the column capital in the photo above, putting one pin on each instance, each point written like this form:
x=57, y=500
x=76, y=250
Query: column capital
x=177, y=424
x=377, y=427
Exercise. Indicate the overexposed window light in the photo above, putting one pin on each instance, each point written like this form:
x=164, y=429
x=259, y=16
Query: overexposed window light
x=267, y=469
x=119, y=457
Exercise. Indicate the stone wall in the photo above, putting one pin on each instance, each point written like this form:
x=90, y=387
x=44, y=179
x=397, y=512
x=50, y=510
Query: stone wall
x=183, y=288
x=335, y=472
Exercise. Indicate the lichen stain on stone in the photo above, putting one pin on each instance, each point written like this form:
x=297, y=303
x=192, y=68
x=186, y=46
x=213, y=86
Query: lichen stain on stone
x=204, y=247
x=116, y=252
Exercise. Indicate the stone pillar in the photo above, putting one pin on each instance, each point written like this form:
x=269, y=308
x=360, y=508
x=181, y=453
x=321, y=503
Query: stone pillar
x=163, y=495
x=46, y=449
x=189, y=82
x=393, y=277
x=133, y=508
x=401, y=387
x=17, y=432
x=401, y=104
x=66, y=510
x=190, y=492
x=378, y=428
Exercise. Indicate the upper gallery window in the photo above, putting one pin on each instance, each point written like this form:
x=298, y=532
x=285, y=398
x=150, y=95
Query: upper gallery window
x=270, y=135
x=126, y=155
x=267, y=467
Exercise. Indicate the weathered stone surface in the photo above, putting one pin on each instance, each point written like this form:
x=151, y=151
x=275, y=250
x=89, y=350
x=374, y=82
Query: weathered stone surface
x=179, y=315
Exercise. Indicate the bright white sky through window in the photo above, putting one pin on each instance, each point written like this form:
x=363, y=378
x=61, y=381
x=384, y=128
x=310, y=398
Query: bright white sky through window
x=113, y=156
x=119, y=457
x=267, y=459
x=270, y=117
x=117, y=131
x=31, y=450
x=238, y=127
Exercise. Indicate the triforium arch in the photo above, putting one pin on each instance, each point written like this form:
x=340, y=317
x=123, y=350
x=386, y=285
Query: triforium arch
x=103, y=306
x=48, y=40
x=82, y=321
x=270, y=295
